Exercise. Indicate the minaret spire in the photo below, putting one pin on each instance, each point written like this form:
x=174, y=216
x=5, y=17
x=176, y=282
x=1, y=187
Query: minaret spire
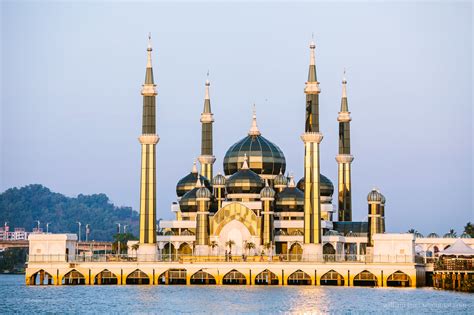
x=254, y=131
x=148, y=141
x=207, y=158
x=344, y=158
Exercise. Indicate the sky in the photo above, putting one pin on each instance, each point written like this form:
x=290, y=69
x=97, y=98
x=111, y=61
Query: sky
x=71, y=105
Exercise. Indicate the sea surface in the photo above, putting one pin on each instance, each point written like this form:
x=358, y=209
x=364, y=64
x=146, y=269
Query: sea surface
x=16, y=297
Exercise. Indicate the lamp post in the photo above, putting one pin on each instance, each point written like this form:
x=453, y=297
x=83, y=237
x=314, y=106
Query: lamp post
x=87, y=232
x=47, y=227
x=118, y=239
x=38, y=226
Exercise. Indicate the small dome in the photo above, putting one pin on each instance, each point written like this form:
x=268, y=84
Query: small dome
x=331, y=233
x=326, y=187
x=433, y=235
x=465, y=235
x=449, y=235
x=203, y=192
x=188, y=182
x=244, y=181
x=383, y=199
x=218, y=180
x=374, y=196
x=280, y=180
x=188, y=202
x=418, y=235
x=290, y=199
x=267, y=191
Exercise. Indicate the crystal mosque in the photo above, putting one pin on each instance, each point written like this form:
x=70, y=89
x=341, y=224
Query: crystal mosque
x=255, y=223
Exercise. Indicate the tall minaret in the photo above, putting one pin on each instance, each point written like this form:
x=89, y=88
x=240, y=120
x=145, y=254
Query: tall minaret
x=311, y=138
x=206, y=158
x=344, y=158
x=148, y=141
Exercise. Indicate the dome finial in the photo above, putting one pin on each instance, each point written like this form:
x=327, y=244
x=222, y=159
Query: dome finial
x=254, y=128
x=149, y=49
x=344, y=83
x=207, y=86
x=312, y=46
x=198, y=182
x=245, y=165
x=194, y=170
x=292, y=181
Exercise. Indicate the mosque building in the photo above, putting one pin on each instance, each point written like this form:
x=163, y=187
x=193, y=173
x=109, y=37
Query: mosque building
x=255, y=223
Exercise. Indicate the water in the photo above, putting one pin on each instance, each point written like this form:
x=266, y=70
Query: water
x=15, y=297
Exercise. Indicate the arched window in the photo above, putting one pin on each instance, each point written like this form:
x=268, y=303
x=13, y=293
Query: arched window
x=332, y=277
x=365, y=278
x=202, y=277
x=138, y=277
x=266, y=277
x=234, y=277
x=299, y=278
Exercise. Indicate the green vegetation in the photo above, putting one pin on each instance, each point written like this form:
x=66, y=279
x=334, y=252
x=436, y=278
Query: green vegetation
x=469, y=229
x=13, y=260
x=22, y=207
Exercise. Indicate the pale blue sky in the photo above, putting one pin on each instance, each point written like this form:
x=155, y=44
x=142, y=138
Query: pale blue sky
x=71, y=103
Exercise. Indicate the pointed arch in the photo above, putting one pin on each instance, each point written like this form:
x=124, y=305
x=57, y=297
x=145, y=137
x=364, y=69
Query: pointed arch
x=168, y=252
x=234, y=277
x=299, y=277
x=74, y=277
x=137, y=277
x=398, y=279
x=185, y=249
x=173, y=276
x=234, y=211
x=202, y=277
x=41, y=277
x=332, y=277
x=295, y=252
x=365, y=279
x=105, y=277
x=266, y=277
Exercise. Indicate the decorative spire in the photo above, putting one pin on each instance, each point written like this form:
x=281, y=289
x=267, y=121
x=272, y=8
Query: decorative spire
x=292, y=181
x=149, y=70
x=194, y=170
x=266, y=182
x=344, y=106
x=245, y=165
x=149, y=50
x=254, y=128
x=198, y=182
x=312, y=46
x=207, y=99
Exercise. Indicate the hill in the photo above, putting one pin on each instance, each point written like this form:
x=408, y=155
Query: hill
x=22, y=207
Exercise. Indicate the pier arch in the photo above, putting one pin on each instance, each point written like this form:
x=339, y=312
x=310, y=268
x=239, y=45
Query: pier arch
x=73, y=277
x=365, y=279
x=299, y=277
x=41, y=277
x=202, y=277
x=137, y=277
x=399, y=279
x=234, y=277
x=266, y=277
x=332, y=277
x=173, y=276
x=105, y=277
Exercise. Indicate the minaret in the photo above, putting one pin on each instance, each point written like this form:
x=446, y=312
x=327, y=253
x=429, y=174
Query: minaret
x=312, y=138
x=376, y=208
x=206, y=158
x=344, y=158
x=148, y=141
x=203, y=196
x=267, y=196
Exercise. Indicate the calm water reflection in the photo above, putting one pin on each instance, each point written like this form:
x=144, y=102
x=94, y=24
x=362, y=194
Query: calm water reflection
x=15, y=297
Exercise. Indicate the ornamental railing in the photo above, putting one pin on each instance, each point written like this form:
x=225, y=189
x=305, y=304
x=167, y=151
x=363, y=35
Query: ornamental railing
x=454, y=264
x=187, y=258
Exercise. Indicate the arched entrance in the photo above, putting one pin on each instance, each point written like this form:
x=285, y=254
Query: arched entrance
x=365, y=279
x=332, y=277
x=266, y=277
x=41, y=278
x=185, y=250
x=299, y=278
x=202, y=277
x=296, y=252
x=173, y=276
x=105, y=277
x=138, y=277
x=168, y=252
x=398, y=279
x=234, y=277
x=329, y=252
x=74, y=277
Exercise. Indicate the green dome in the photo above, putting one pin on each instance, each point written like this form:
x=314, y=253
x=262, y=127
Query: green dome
x=267, y=192
x=188, y=202
x=280, y=180
x=188, y=182
x=265, y=158
x=326, y=187
x=244, y=181
x=219, y=180
x=290, y=199
x=374, y=196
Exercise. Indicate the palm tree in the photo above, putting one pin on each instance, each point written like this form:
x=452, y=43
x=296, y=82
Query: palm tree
x=135, y=246
x=412, y=231
x=249, y=246
x=469, y=229
x=452, y=231
x=267, y=246
x=214, y=244
x=230, y=243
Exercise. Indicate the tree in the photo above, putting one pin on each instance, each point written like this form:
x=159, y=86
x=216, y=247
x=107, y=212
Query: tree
x=469, y=229
x=230, y=243
x=249, y=246
x=412, y=231
x=452, y=231
x=214, y=245
x=267, y=246
x=122, y=238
